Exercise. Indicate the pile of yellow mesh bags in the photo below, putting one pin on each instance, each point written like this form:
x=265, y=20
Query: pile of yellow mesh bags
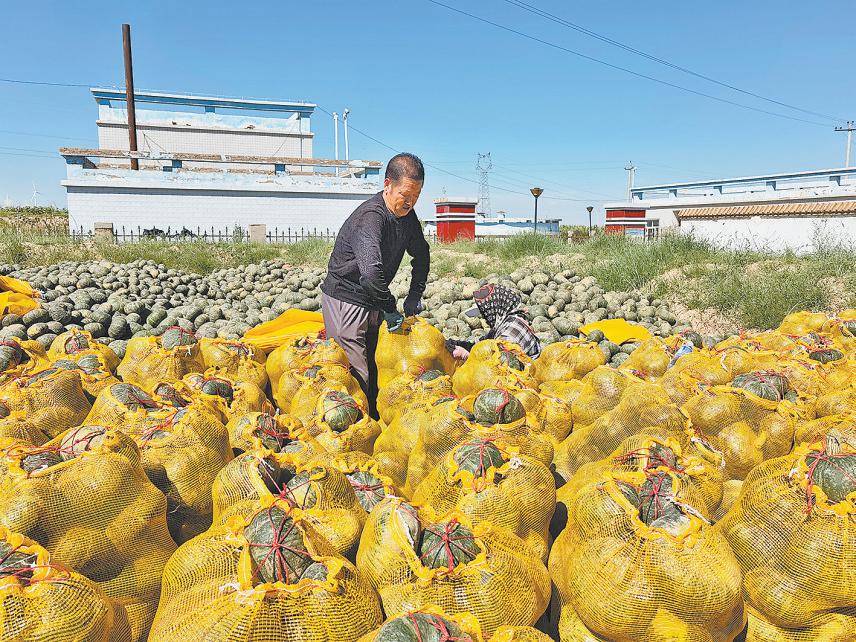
x=205, y=490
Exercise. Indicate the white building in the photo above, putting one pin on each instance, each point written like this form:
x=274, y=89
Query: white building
x=798, y=211
x=210, y=163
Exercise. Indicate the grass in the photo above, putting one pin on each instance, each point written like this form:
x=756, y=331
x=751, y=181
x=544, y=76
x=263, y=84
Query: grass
x=750, y=287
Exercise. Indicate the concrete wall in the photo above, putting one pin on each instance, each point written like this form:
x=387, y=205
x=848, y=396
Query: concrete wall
x=800, y=234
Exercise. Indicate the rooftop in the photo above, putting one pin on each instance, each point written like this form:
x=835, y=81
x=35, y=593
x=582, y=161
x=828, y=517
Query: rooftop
x=105, y=96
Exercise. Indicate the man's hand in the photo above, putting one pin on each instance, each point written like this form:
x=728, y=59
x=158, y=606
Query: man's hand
x=413, y=306
x=460, y=353
x=393, y=320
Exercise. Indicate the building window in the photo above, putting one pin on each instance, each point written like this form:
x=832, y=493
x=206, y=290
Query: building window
x=652, y=228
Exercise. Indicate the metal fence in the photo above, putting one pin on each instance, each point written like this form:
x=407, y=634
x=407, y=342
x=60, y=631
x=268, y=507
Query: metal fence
x=235, y=234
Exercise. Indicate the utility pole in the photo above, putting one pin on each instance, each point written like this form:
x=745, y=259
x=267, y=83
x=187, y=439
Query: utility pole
x=483, y=165
x=129, y=95
x=336, y=136
x=849, y=129
x=631, y=178
x=345, y=123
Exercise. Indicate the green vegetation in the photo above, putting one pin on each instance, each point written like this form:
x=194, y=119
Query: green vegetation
x=742, y=288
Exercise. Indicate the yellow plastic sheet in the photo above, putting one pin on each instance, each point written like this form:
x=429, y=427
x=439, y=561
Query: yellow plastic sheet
x=272, y=334
x=14, y=303
x=618, y=330
x=8, y=284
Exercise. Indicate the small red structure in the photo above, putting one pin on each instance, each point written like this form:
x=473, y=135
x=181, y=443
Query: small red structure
x=456, y=219
x=627, y=221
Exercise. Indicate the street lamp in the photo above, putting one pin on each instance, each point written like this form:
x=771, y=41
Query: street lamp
x=536, y=192
x=590, y=208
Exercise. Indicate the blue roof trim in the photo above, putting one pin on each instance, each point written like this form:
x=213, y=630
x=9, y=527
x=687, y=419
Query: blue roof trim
x=820, y=173
x=105, y=96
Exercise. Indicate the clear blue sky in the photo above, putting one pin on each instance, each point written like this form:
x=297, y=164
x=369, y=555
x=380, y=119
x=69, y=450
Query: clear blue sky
x=424, y=79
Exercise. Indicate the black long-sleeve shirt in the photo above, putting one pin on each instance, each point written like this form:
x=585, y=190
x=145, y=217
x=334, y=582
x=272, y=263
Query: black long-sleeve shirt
x=368, y=252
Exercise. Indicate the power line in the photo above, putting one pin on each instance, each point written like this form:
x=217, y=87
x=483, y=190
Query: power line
x=620, y=68
x=37, y=135
x=562, y=21
x=17, y=81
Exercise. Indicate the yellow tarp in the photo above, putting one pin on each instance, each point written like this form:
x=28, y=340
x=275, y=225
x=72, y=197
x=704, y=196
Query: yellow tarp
x=268, y=336
x=16, y=297
x=618, y=330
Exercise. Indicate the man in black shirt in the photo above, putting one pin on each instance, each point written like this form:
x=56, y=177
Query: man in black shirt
x=366, y=256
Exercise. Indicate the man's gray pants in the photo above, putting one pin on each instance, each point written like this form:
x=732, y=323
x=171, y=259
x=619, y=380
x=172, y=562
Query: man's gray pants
x=355, y=329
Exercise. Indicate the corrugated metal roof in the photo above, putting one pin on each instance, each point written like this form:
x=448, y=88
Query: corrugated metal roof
x=822, y=208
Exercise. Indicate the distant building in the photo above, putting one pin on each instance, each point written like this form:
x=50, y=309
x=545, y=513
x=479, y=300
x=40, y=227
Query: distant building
x=211, y=163
x=457, y=218
x=796, y=211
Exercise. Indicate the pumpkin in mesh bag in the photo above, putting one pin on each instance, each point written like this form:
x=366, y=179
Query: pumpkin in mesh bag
x=842, y=330
x=837, y=402
x=238, y=360
x=74, y=343
x=172, y=394
x=278, y=433
x=20, y=358
x=128, y=406
x=182, y=455
x=770, y=385
x=318, y=488
x=794, y=533
x=493, y=363
x=369, y=484
x=637, y=561
x=648, y=407
x=92, y=368
x=410, y=389
x=653, y=357
x=415, y=345
x=802, y=323
x=745, y=428
x=14, y=426
x=602, y=390
x=85, y=497
x=341, y=423
x=43, y=600
x=566, y=360
x=52, y=400
x=301, y=352
x=230, y=397
x=270, y=576
x=487, y=481
x=414, y=558
x=152, y=360
x=314, y=382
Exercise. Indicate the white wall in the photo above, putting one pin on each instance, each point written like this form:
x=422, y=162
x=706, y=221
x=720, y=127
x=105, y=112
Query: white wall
x=803, y=234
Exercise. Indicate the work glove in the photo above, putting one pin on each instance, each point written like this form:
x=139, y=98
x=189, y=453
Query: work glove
x=413, y=305
x=393, y=320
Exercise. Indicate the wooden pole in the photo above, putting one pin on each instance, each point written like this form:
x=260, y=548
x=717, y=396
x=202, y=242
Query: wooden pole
x=129, y=94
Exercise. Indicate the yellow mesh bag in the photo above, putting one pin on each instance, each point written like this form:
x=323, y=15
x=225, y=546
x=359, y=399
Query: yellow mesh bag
x=416, y=345
x=52, y=400
x=20, y=358
x=801, y=323
x=837, y=402
x=324, y=494
x=453, y=423
x=213, y=590
x=745, y=428
x=363, y=473
x=652, y=358
x=638, y=562
x=93, y=369
x=602, y=390
x=487, y=481
x=410, y=389
x=239, y=361
x=274, y=432
x=493, y=363
x=302, y=352
x=129, y=407
x=230, y=397
x=358, y=436
x=769, y=340
x=550, y=416
x=397, y=439
x=43, y=600
x=15, y=427
x=814, y=379
x=565, y=390
x=793, y=531
x=651, y=408
x=692, y=461
x=95, y=510
x=842, y=329
x=72, y=343
x=836, y=627
x=843, y=427
x=482, y=569
x=182, y=456
x=301, y=403
x=566, y=360
x=146, y=363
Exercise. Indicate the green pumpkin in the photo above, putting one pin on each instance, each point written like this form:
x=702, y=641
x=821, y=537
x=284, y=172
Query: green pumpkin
x=300, y=489
x=834, y=473
x=693, y=337
x=656, y=499
x=312, y=372
x=13, y=562
x=850, y=326
x=446, y=545
x=477, y=456
x=11, y=355
x=276, y=546
x=81, y=440
x=826, y=355
x=496, y=406
x=65, y=364
x=368, y=489
x=90, y=364
x=4, y=410
x=510, y=359
x=76, y=343
x=661, y=455
x=266, y=430
x=175, y=336
x=40, y=461
x=340, y=410
x=421, y=627
x=316, y=571
x=170, y=394
x=218, y=388
x=767, y=385
x=429, y=375
x=240, y=349
x=42, y=374
x=133, y=397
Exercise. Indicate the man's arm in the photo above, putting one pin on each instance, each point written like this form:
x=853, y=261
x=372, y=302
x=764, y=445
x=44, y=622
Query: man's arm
x=370, y=262
x=419, y=249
